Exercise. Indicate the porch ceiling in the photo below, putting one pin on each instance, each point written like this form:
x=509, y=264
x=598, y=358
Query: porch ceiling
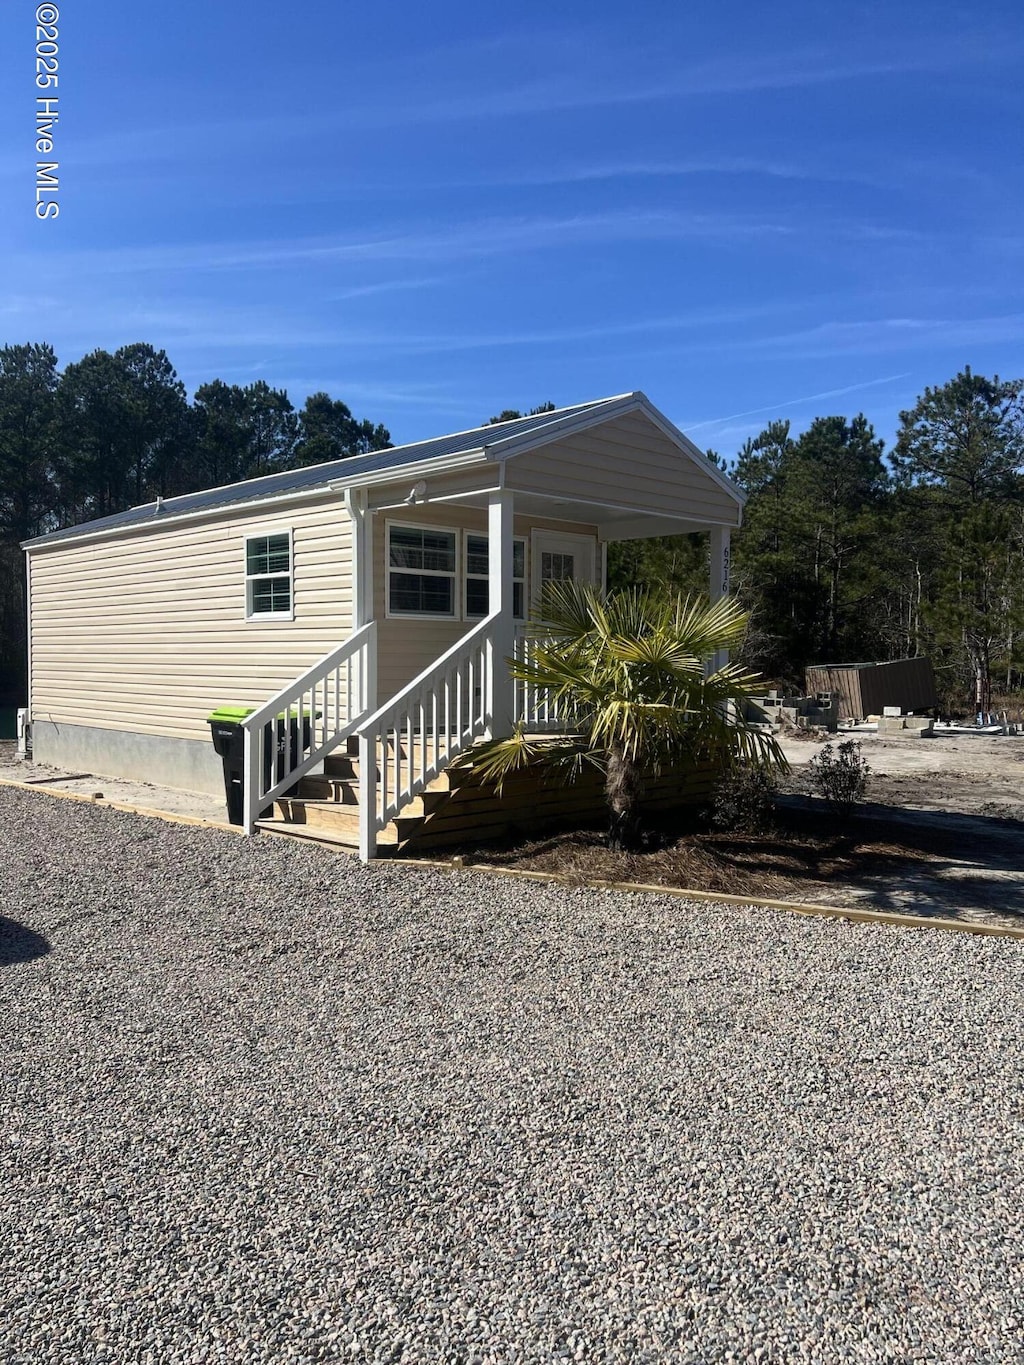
x=613, y=523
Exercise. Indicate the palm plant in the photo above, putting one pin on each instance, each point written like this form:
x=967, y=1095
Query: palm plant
x=628, y=671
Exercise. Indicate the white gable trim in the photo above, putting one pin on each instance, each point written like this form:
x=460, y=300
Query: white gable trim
x=690, y=448
x=607, y=412
x=503, y=447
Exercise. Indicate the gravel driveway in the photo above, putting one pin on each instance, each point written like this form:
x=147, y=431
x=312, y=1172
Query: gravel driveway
x=261, y=1103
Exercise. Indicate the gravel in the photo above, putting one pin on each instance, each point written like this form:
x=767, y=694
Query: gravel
x=261, y=1103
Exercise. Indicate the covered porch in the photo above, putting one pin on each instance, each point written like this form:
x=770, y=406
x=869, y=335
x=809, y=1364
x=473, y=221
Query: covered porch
x=485, y=532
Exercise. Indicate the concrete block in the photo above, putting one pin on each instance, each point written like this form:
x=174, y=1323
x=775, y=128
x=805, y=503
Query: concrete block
x=906, y=727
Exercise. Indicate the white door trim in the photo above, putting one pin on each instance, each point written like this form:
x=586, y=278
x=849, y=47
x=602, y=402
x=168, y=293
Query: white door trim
x=583, y=548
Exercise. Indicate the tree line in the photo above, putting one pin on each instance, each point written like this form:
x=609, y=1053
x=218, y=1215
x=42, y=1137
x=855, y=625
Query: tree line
x=116, y=429
x=846, y=555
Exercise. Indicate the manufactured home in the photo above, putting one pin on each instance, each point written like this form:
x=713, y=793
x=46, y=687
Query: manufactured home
x=362, y=611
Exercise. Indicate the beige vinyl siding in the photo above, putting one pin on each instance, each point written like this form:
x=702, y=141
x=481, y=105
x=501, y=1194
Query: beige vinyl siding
x=481, y=479
x=147, y=632
x=406, y=645
x=651, y=475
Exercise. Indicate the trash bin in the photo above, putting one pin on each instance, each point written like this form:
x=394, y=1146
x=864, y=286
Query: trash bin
x=229, y=742
x=296, y=748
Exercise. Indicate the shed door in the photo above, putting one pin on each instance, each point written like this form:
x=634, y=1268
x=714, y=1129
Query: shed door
x=557, y=556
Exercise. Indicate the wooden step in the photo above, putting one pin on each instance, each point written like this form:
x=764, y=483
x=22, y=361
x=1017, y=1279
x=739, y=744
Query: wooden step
x=342, y=768
x=283, y=830
x=316, y=799
x=335, y=795
x=344, y=761
x=337, y=834
x=345, y=841
x=342, y=790
x=344, y=820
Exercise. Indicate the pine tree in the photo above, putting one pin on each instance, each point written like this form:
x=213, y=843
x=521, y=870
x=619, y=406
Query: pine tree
x=960, y=451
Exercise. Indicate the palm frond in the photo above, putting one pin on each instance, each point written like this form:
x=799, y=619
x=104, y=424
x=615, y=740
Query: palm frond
x=630, y=669
x=568, y=610
x=563, y=756
x=501, y=758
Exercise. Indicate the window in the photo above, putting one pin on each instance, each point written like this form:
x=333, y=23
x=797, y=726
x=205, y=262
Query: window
x=556, y=568
x=268, y=575
x=421, y=571
x=477, y=567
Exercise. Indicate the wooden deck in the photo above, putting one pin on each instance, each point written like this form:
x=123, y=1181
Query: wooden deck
x=460, y=808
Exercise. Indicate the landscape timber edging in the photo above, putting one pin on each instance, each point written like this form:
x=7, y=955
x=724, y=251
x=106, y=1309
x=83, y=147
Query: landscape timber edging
x=883, y=917
x=172, y=817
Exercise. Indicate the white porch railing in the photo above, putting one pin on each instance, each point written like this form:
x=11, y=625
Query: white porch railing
x=299, y=726
x=536, y=710
x=404, y=744
x=422, y=728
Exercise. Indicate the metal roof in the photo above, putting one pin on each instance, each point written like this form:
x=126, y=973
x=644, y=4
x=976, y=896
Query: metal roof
x=335, y=472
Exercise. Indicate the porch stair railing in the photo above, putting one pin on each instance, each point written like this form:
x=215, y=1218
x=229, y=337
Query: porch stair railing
x=289, y=734
x=403, y=745
x=413, y=737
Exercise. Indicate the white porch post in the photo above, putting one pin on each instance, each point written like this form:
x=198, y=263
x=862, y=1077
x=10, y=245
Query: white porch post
x=719, y=584
x=361, y=514
x=358, y=503
x=501, y=698
x=362, y=558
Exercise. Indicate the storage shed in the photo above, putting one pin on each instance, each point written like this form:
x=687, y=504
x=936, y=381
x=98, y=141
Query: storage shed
x=866, y=689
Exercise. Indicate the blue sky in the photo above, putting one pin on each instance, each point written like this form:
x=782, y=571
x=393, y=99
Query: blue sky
x=435, y=212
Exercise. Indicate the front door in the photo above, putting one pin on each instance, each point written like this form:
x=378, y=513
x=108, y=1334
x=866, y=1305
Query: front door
x=557, y=556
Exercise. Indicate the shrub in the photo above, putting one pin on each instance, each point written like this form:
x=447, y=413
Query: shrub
x=840, y=776
x=745, y=799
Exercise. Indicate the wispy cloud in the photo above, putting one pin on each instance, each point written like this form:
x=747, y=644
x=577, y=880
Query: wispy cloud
x=781, y=405
x=421, y=397
x=265, y=329
x=634, y=75
x=653, y=170
x=475, y=238
x=362, y=291
x=889, y=335
x=226, y=329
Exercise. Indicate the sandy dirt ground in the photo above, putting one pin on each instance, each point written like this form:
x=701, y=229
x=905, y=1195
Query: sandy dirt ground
x=969, y=787
x=110, y=789
x=969, y=775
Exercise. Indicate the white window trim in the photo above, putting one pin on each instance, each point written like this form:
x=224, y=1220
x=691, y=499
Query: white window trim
x=466, y=576
x=262, y=534
x=456, y=575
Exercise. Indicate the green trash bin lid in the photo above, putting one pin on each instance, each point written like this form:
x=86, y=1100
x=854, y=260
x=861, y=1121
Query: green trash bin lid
x=235, y=714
